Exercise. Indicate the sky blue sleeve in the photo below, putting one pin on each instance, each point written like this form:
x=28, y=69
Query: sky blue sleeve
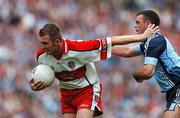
x=137, y=48
x=154, y=49
x=151, y=60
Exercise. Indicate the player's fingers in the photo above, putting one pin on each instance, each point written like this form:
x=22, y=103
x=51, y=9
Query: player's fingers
x=38, y=86
x=152, y=26
x=31, y=81
x=138, y=80
x=156, y=29
x=153, y=29
x=38, y=83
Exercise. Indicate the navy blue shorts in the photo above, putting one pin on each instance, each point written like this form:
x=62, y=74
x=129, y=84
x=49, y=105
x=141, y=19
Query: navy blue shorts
x=173, y=98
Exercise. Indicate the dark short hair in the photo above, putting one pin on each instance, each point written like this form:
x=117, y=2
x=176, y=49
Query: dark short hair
x=52, y=30
x=150, y=15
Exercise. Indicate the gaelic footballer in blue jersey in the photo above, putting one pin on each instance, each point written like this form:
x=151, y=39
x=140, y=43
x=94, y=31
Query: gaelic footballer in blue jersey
x=160, y=61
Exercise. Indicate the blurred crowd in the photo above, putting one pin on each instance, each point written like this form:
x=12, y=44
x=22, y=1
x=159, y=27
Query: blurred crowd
x=20, y=21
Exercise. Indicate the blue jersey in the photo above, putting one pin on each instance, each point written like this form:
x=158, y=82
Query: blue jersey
x=159, y=52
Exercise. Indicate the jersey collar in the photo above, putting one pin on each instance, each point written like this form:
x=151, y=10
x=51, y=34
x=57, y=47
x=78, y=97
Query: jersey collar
x=63, y=48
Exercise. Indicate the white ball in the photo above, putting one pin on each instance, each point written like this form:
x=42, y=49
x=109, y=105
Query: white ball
x=43, y=73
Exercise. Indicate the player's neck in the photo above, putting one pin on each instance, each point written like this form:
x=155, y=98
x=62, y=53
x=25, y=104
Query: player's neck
x=57, y=56
x=59, y=51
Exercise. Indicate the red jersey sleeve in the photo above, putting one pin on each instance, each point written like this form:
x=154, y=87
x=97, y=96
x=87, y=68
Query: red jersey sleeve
x=87, y=45
x=39, y=52
x=92, y=50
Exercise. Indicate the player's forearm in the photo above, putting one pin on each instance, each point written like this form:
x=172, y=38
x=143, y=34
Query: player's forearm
x=126, y=39
x=123, y=51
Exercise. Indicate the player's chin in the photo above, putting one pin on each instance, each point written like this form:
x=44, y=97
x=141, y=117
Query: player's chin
x=48, y=52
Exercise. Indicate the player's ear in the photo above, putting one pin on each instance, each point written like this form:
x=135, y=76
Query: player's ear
x=57, y=41
x=148, y=22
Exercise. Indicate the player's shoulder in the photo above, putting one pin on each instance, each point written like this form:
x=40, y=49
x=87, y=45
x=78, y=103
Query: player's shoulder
x=157, y=38
x=39, y=52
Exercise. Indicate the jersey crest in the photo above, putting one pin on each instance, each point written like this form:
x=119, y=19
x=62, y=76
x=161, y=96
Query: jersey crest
x=71, y=64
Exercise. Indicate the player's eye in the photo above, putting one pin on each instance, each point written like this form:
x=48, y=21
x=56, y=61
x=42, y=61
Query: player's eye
x=137, y=22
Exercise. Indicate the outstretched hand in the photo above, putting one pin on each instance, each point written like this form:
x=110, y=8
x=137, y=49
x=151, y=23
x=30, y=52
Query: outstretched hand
x=151, y=30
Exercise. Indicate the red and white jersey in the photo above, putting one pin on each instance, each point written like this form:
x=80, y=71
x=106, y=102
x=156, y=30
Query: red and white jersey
x=76, y=68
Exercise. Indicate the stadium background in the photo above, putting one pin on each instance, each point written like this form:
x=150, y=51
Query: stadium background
x=78, y=19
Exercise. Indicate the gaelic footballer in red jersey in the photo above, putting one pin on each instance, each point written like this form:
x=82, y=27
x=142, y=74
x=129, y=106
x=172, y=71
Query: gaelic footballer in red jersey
x=76, y=73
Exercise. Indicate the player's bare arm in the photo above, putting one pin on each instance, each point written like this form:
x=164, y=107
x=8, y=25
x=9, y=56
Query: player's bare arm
x=126, y=39
x=124, y=51
x=145, y=73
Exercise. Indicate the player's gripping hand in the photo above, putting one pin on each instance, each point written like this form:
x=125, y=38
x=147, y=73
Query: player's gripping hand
x=138, y=80
x=37, y=86
x=151, y=30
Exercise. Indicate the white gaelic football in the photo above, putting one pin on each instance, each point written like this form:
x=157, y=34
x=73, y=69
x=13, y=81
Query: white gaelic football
x=43, y=73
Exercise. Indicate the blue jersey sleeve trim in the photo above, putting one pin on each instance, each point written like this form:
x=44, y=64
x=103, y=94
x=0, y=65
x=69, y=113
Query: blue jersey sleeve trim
x=137, y=48
x=150, y=60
